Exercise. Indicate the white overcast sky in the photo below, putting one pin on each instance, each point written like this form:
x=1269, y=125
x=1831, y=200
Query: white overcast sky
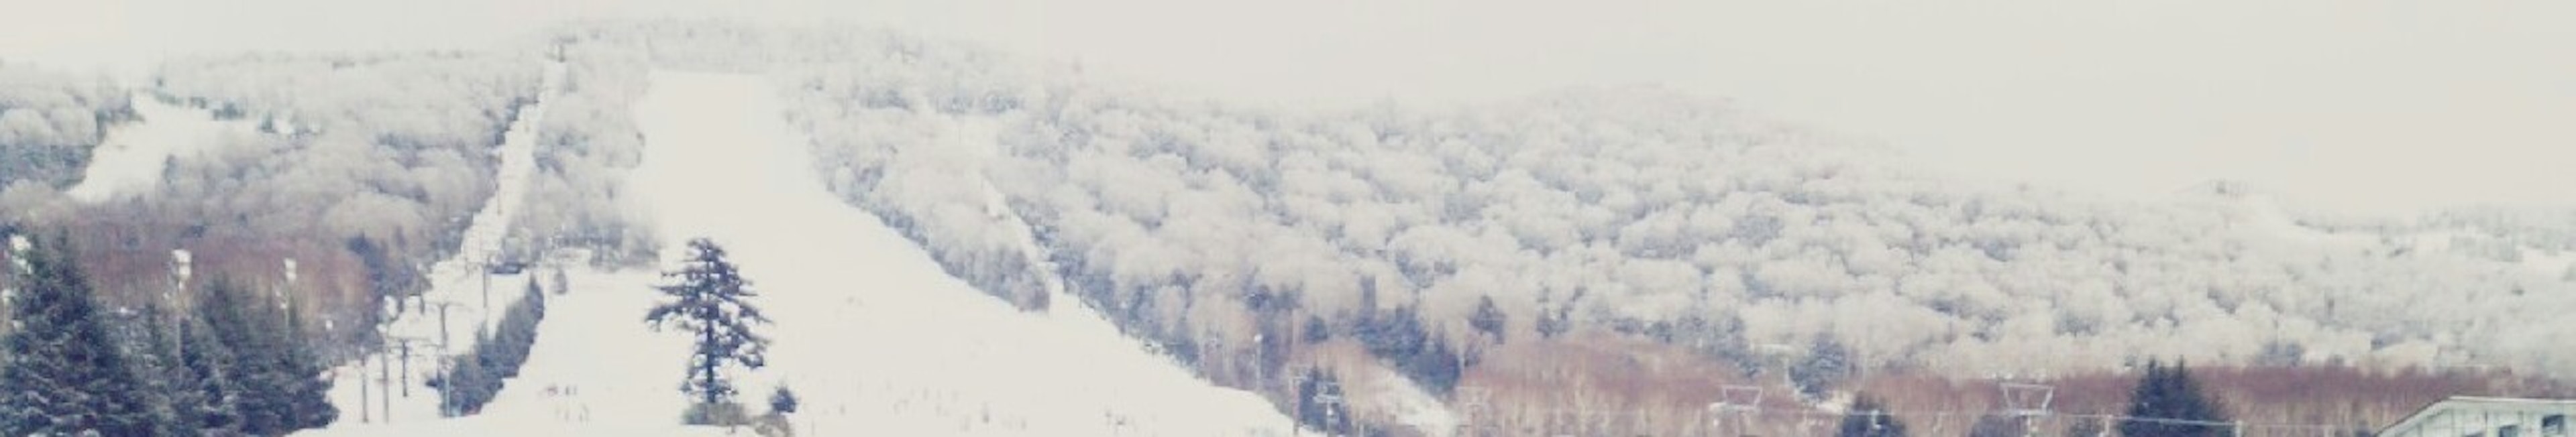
x=2365, y=105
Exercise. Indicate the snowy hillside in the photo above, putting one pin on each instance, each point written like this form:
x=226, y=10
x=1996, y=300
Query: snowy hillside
x=879, y=339
x=461, y=299
x=953, y=241
x=133, y=155
x=1639, y=210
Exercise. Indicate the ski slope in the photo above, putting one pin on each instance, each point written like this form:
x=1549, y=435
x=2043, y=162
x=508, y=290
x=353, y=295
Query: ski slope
x=874, y=336
x=460, y=299
x=133, y=154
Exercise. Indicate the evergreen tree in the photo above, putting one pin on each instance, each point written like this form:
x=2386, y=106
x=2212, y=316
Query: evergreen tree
x=276, y=381
x=1488, y=319
x=1867, y=418
x=64, y=374
x=469, y=382
x=206, y=399
x=1320, y=402
x=480, y=374
x=1827, y=364
x=2170, y=393
x=155, y=352
x=307, y=391
x=782, y=401
x=707, y=300
x=1316, y=331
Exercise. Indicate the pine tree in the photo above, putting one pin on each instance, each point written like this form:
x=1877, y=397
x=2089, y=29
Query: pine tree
x=1488, y=318
x=208, y=400
x=2170, y=393
x=469, y=382
x=1828, y=363
x=276, y=381
x=156, y=367
x=307, y=391
x=1867, y=418
x=480, y=374
x=65, y=374
x=1320, y=403
x=707, y=300
x=782, y=400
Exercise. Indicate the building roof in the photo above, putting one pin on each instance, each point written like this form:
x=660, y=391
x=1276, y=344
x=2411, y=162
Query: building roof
x=2489, y=403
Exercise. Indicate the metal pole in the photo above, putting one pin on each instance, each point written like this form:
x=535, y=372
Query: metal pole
x=406, y=368
x=382, y=378
x=443, y=338
x=363, y=394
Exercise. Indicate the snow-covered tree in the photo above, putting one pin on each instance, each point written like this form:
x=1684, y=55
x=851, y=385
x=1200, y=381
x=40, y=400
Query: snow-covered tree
x=707, y=300
x=2169, y=392
x=1867, y=417
x=277, y=381
x=64, y=373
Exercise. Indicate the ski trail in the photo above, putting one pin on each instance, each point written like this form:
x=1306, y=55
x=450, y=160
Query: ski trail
x=443, y=320
x=876, y=336
x=133, y=154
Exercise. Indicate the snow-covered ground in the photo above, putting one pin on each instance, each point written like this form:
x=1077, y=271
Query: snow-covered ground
x=460, y=299
x=133, y=154
x=874, y=336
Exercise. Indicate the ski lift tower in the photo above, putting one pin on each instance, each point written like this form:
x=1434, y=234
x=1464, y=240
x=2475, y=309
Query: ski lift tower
x=1740, y=401
x=1328, y=395
x=2024, y=401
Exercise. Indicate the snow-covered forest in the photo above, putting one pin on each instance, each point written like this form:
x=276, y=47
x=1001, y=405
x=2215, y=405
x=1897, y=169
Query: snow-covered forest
x=1251, y=243
x=49, y=121
x=1649, y=212
x=361, y=184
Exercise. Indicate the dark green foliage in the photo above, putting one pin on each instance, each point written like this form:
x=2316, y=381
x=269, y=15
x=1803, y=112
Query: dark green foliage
x=1488, y=319
x=388, y=276
x=1319, y=402
x=1554, y=323
x=155, y=365
x=1398, y=337
x=2087, y=428
x=276, y=379
x=2170, y=393
x=466, y=386
x=206, y=397
x=726, y=413
x=707, y=300
x=1999, y=425
x=65, y=374
x=782, y=401
x=1868, y=418
x=1316, y=331
x=475, y=378
x=1827, y=364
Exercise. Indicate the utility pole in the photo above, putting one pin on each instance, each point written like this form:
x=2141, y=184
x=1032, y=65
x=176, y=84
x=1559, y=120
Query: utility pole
x=443, y=337
x=384, y=378
x=406, y=366
x=1329, y=399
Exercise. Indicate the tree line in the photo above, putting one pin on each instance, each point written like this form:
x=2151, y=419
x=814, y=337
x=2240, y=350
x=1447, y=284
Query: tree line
x=2165, y=402
x=232, y=362
x=473, y=379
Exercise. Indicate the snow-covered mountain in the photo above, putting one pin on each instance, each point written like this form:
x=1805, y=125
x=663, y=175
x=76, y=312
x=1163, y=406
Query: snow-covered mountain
x=1149, y=251
x=875, y=335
